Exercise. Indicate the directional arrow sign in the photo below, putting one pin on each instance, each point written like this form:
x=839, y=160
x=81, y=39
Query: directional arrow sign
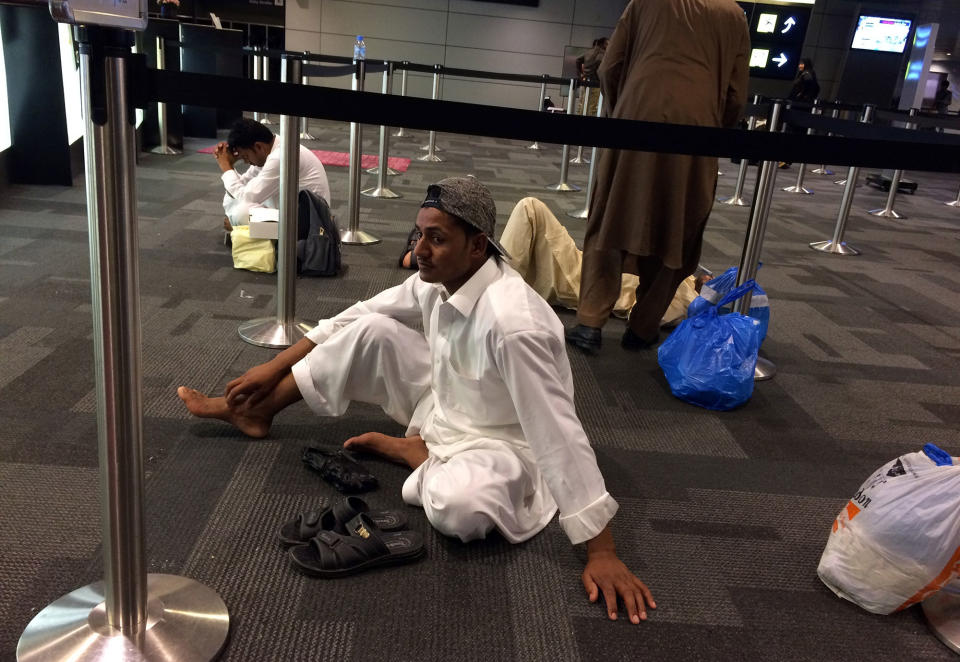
x=782, y=60
x=789, y=23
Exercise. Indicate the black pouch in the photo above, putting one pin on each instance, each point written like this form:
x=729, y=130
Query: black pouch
x=340, y=470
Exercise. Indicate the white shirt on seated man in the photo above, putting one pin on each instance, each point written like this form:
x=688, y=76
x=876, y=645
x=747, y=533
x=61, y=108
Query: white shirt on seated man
x=259, y=185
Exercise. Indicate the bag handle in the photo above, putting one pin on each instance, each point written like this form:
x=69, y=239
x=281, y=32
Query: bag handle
x=736, y=293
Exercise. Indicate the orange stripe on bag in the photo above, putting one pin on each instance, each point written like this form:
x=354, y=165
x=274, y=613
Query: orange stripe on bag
x=852, y=510
x=952, y=567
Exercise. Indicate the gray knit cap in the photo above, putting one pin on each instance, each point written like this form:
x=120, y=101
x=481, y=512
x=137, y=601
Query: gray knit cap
x=469, y=200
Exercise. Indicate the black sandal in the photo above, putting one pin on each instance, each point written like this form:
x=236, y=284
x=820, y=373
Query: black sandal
x=339, y=469
x=335, y=518
x=412, y=240
x=330, y=555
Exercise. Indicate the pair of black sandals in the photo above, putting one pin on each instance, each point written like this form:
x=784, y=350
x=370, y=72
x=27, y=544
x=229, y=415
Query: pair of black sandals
x=348, y=538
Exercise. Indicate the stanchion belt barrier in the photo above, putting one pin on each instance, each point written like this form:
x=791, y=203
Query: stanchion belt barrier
x=922, y=121
x=321, y=71
x=856, y=129
x=149, y=85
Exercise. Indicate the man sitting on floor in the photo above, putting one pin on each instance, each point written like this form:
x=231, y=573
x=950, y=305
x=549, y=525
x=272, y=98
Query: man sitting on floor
x=545, y=255
x=259, y=185
x=485, y=393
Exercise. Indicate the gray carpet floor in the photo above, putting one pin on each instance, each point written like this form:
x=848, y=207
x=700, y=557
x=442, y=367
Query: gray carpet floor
x=724, y=515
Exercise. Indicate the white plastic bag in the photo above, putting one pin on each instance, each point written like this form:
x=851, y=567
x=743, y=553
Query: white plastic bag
x=897, y=541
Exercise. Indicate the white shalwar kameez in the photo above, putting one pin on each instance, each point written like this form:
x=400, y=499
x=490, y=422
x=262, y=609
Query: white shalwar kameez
x=260, y=186
x=487, y=385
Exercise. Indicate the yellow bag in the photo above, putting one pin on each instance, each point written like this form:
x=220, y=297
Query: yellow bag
x=252, y=254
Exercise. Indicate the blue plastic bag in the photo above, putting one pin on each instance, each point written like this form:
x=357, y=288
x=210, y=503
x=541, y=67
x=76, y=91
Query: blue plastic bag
x=717, y=288
x=709, y=360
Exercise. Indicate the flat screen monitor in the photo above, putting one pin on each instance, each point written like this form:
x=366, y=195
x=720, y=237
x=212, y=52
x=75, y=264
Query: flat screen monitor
x=878, y=33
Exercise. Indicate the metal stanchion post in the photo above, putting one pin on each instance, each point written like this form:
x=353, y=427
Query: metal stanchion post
x=954, y=203
x=265, y=72
x=563, y=186
x=353, y=234
x=257, y=75
x=385, y=88
x=403, y=92
x=284, y=329
x=382, y=169
x=756, y=229
x=130, y=615
x=304, y=128
x=798, y=187
x=578, y=159
x=836, y=245
x=823, y=169
x=737, y=198
x=942, y=610
x=543, y=96
x=887, y=211
x=164, y=146
x=431, y=145
x=585, y=212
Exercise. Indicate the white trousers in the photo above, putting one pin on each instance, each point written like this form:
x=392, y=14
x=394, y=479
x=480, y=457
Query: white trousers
x=378, y=360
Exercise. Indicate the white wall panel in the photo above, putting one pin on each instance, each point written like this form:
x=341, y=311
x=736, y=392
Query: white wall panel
x=518, y=63
x=383, y=49
x=297, y=40
x=384, y=22
x=604, y=13
x=583, y=35
x=509, y=35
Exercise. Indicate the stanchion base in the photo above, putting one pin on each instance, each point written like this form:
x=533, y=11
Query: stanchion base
x=357, y=238
x=426, y=148
x=377, y=192
x=579, y=161
x=400, y=133
x=583, y=213
x=186, y=621
x=765, y=370
x=798, y=189
x=269, y=332
x=159, y=149
x=823, y=171
x=886, y=213
x=432, y=158
x=954, y=203
x=836, y=249
x=534, y=146
x=738, y=202
x=307, y=136
x=942, y=610
x=375, y=170
x=563, y=187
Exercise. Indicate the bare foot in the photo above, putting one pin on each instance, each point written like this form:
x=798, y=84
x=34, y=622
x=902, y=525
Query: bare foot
x=201, y=406
x=411, y=451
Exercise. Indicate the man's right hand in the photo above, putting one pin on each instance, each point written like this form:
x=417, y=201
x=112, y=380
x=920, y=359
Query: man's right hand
x=254, y=385
x=223, y=155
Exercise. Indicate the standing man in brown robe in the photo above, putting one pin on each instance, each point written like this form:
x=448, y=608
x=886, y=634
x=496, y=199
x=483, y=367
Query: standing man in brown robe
x=678, y=61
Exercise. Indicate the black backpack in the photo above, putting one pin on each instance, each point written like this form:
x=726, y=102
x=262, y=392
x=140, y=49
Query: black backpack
x=318, y=237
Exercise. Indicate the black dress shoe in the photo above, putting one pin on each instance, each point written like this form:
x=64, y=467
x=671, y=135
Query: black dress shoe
x=585, y=337
x=635, y=343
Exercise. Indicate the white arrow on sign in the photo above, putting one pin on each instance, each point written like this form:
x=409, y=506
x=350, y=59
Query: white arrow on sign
x=782, y=60
x=789, y=23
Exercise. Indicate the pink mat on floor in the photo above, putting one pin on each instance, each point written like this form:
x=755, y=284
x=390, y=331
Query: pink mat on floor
x=398, y=163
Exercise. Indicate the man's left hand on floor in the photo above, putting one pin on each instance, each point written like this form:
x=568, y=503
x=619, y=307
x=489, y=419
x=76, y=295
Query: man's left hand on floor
x=607, y=574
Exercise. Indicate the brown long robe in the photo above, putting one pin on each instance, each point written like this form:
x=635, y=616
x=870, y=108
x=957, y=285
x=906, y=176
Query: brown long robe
x=677, y=61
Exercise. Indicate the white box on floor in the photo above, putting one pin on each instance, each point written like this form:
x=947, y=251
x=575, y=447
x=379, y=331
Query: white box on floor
x=264, y=223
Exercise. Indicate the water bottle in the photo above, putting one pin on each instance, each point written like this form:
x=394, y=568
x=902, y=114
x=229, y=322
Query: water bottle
x=360, y=49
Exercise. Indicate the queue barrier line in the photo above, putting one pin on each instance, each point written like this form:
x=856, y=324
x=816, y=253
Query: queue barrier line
x=151, y=85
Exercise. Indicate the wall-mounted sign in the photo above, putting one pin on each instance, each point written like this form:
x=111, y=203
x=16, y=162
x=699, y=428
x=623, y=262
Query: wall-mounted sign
x=776, y=37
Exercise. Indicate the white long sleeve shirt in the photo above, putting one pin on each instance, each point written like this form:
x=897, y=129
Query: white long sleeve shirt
x=260, y=186
x=500, y=377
